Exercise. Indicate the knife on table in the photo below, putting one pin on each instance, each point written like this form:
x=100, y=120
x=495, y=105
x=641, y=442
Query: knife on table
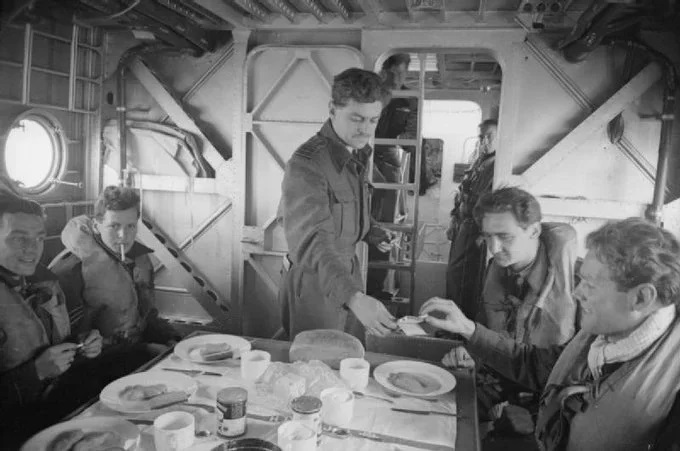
x=193, y=372
x=425, y=412
x=336, y=432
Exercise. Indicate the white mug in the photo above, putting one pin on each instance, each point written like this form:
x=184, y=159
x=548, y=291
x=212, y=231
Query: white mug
x=254, y=364
x=337, y=406
x=174, y=431
x=355, y=373
x=296, y=436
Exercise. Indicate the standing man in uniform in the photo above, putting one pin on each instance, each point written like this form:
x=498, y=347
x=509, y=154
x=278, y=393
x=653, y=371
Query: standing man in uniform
x=326, y=212
x=465, y=270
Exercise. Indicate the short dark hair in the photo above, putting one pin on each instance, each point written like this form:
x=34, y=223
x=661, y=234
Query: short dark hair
x=523, y=206
x=116, y=198
x=359, y=85
x=395, y=60
x=10, y=203
x=637, y=251
x=485, y=124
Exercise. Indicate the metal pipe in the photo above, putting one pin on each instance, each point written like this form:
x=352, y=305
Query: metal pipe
x=122, y=126
x=655, y=211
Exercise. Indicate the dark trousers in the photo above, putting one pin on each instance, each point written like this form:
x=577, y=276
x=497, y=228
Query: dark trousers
x=465, y=271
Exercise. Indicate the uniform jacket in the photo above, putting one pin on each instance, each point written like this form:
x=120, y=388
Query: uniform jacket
x=546, y=312
x=115, y=297
x=325, y=211
x=625, y=409
x=33, y=318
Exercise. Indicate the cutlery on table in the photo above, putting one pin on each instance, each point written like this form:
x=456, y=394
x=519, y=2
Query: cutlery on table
x=343, y=433
x=193, y=372
x=359, y=394
x=268, y=418
x=425, y=412
x=141, y=421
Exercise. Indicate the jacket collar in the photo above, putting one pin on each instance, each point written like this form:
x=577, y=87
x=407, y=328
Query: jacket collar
x=12, y=280
x=339, y=151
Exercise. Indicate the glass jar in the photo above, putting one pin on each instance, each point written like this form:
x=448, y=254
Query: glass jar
x=307, y=409
x=231, y=411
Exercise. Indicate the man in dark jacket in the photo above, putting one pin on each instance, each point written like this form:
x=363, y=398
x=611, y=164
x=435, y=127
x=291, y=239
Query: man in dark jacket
x=465, y=269
x=108, y=276
x=614, y=384
x=44, y=371
x=325, y=211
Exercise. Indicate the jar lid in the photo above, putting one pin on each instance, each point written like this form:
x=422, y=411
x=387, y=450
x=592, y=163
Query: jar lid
x=306, y=404
x=232, y=394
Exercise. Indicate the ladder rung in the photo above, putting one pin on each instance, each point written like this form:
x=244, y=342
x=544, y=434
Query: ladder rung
x=399, y=227
x=395, y=142
x=405, y=93
x=390, y=265
x=395, y=186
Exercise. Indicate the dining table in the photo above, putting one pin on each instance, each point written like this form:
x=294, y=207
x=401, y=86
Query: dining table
x=382, y=420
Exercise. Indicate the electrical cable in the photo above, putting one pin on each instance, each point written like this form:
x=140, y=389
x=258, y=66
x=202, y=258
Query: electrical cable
x=94, y=21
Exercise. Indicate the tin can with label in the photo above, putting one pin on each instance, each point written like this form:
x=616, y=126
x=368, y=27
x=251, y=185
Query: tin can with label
x=307, y=409
x=231, y=412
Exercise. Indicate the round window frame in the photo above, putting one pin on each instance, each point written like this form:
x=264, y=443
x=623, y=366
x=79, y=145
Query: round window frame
x=55, y=132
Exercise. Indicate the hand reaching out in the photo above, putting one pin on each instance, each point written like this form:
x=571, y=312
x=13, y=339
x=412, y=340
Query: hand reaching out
x=454, y=321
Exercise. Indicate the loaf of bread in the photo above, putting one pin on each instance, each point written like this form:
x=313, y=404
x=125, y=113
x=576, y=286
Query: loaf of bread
x=327, y=345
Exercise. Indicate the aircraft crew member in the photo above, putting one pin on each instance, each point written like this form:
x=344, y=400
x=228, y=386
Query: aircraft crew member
x=44, y=373
x=115, y=290
x=325, y=211
x=465, y=270
x=613, y=385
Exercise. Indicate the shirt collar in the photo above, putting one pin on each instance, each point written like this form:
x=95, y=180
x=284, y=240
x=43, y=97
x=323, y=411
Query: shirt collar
x=340, y=152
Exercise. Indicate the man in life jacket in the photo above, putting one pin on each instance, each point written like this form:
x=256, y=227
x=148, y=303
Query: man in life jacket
x=614, y=384
x=45, y=370
x=107, y=275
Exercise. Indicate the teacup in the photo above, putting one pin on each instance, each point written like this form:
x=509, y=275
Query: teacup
x=337, y=406
x=355, y=373
x=174, y=431
x=254, y=364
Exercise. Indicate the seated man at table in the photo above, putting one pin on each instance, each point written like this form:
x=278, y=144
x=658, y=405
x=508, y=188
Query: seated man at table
x=109, y=274
x=614, y=384
x=528, y=285
x=44, y=372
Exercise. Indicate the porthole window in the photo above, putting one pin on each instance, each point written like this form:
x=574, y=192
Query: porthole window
x=33, y=152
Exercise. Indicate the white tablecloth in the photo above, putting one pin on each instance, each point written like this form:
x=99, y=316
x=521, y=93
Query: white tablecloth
x=369, y=414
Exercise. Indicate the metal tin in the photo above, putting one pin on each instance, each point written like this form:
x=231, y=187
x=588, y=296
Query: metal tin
x=307, y=409
x=231, y=411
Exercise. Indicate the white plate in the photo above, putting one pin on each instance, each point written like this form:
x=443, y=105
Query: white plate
x=128, y=431
x=174, y=381
x=445, y=379
x=190, y=349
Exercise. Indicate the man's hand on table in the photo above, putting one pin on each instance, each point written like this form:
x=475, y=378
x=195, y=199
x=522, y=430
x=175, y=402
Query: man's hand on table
x=372, y=314
x=55, y=360
x=458, y=357
x=454, y=320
